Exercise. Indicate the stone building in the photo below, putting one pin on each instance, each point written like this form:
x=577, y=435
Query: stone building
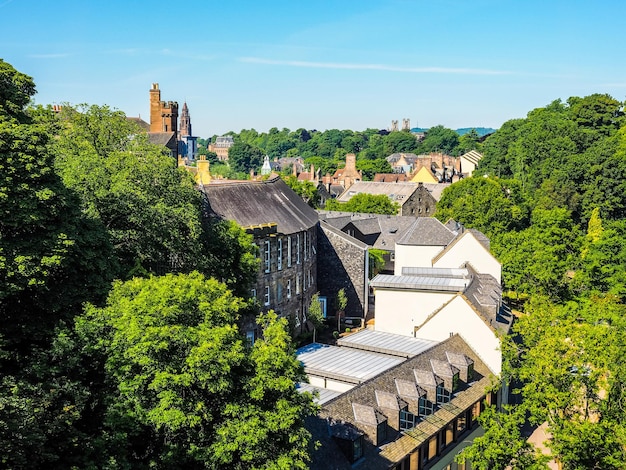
x=285, y=229
x=221, y=146
x=413, y=414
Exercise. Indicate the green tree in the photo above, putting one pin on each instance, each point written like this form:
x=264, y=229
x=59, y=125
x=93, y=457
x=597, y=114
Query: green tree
x=502, y=446
x=365, y=203
x=184, y=390
x=369, y=168
x=244, y=157
x=491, y=205
x=305, y=189
x=570, y=363
x=316, y=315
x=150, y=208
x=396, y=142
x=440, y=139
x=52, y=259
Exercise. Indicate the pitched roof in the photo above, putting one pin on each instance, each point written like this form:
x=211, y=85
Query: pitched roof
x=436, y=189
x=427, y=231
x=160, y=138
x=252, y=203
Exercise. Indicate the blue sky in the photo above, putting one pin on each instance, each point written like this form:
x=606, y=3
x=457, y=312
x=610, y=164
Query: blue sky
x=319, y=64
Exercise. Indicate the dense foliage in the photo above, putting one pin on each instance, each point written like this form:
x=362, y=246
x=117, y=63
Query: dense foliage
x=327, y=150
x=149, y=370
x=550, y=194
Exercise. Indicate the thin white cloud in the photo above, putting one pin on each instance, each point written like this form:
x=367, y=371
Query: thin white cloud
x=49, y=56
x=387, y=68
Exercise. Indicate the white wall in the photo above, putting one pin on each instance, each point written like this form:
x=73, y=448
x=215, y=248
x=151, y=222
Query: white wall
x=399, y=311
x=414, y=256
x=459, y=317
x=468, y=249
x=330, y=384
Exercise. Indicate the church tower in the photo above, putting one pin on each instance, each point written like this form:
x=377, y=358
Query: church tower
x=185, y=122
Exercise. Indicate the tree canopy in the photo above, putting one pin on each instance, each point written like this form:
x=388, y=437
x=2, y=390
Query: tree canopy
x=365, y=203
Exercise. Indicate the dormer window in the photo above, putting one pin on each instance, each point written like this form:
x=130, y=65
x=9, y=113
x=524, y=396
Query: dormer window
x=425, y=407
x=443, y=395
x=407, y=420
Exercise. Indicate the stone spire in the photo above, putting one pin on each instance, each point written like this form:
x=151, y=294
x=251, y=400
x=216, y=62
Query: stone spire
x=185, y=122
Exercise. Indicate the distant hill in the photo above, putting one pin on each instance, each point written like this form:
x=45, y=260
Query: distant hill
x=482, y=131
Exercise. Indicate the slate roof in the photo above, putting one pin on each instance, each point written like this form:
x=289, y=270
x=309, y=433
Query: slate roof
x=160, y=138
x=436, y=189
x=485, y=295
x=251, y=203
x=427, y=231
x=390, y=227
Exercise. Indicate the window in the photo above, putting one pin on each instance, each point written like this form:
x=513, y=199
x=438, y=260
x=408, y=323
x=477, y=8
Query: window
x=298, y=249
x=306, y=255
x=267, y=256
x=253, y=293
x=298, y=282
x=279, y=292
x=425, y=407
x=267, y=295
x=407, y=420
x=297, y=322
x=309, y=279
x=443, y=395
x=250, y=337
x=470, y=372
x=289, y=288
x=289, y=252
x=392, y=256
x=279, y=261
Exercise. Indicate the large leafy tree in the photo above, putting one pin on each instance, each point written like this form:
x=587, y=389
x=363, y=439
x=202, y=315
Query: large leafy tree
x=244, y=157
x=491, y=205
x=52, y=259
x=150, y=208
x=184, y=388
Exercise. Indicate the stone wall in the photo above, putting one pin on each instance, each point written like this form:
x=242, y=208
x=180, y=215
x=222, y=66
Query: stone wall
x=342, y=262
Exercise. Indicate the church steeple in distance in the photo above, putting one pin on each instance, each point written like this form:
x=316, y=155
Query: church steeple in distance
x=185, y=122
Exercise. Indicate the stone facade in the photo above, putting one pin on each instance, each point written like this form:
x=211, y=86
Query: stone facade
x=342, y=263
x=287, y=278
x=221, y=146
